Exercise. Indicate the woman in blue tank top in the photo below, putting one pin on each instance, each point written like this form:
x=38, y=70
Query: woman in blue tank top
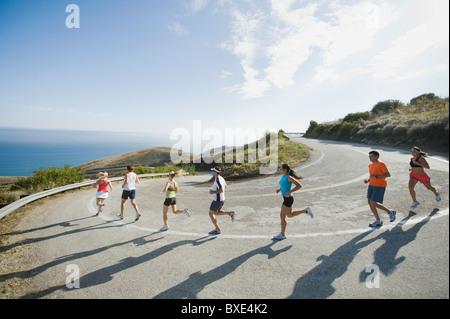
x=289, y=177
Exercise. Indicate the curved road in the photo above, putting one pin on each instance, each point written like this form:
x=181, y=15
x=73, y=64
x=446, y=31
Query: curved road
x=334, y=255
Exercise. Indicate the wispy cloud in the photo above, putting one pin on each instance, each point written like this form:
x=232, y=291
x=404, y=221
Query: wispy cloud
x=177, y=29
x=272, y=40
x=197, y=5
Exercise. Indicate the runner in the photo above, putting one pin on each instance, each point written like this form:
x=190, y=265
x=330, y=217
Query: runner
x=129, y=191
x=218, y=190
x=102, y=190
x=418, y=163
x=377, y=187
x=289, y=177
x=171, y=189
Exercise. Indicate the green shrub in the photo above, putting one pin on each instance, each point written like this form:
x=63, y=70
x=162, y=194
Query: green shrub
x=49, y=178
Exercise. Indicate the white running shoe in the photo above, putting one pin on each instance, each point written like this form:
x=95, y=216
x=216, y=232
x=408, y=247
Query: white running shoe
x=280, y=236
x=376, y=223
x=309, y=212
x=138, y=215
x=438, y=197
x=120, y=216
x=164, y=228
x=232, y=215
x=415, y=204
x=187, y=213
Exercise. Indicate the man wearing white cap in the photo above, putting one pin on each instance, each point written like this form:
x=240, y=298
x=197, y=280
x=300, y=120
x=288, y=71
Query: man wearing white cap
x=219, y=198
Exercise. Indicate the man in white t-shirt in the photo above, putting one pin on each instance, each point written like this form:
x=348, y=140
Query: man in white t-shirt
x=129, y=191
x=218, y=191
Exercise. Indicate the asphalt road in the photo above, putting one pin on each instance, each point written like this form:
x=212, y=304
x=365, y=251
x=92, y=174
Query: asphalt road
x=334, y=255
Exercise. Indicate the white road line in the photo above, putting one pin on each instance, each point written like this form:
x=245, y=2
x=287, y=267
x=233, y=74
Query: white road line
x=408, y=222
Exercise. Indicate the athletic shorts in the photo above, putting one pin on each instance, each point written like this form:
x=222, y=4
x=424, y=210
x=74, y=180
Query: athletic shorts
x=216, y=206
x=423, y=178
x=129, y=194
x=376, y=193
x=288, y=201
x=170, y=201
x=102, y=195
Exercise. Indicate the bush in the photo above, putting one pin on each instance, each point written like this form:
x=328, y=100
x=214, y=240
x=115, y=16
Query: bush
x=49, y=178
x=387, y=106
x=354, y=117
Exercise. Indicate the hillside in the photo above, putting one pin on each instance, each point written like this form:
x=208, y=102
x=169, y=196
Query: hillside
x=424, y=122
x=150, y=157
x=288, y=152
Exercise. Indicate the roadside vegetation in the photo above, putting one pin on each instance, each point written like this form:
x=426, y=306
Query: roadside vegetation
x=424, y=122
x=290, y=152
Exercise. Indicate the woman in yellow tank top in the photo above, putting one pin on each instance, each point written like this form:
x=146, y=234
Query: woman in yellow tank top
x=171, y=189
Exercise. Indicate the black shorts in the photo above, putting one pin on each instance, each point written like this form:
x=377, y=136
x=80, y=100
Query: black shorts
x=129, y=194
x=170, y=201
x=216, y=206
x=288, y=201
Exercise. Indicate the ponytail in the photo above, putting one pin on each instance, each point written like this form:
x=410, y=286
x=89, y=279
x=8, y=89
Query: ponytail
x=294, y=174
x=421, y=153
x=291, y=172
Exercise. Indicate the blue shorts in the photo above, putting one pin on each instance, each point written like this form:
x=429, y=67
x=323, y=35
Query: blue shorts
x=129, y=194
x=376, y=193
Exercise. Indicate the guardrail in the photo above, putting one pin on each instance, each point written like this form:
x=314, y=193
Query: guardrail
x=33, y=197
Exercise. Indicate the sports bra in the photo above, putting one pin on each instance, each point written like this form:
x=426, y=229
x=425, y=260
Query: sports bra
x=415, y=165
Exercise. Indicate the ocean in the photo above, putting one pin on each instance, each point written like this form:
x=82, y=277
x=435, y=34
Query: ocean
x=22, y=159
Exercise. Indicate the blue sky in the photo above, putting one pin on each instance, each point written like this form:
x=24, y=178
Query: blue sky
x=149, y=66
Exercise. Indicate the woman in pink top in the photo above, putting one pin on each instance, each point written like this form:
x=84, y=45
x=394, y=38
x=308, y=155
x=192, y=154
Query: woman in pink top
x=102, y=191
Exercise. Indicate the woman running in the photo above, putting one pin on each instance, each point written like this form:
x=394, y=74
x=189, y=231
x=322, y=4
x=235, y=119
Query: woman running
x=289, y=177
x=171, y=189
x=102, y=191
x=418, y=163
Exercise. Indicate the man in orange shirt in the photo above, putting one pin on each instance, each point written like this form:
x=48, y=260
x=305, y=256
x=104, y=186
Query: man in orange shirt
x=377, y=186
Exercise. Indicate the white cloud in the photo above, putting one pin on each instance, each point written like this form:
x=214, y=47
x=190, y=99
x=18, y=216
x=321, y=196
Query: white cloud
x=197, y=5
x=432, y=32
x=274, y=39
x=177, y=29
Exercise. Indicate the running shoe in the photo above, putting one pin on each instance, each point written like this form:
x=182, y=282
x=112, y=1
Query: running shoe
x=215, y=232
x=164, y=228
x=280, y=236
x=120, y=216
x=377, y=223
x=101, y=207
x=309, y=212
x=232, y=215
x=187, y=213
x=415, y=204
x=392, y=214
x=438, y=197
x=138, y=215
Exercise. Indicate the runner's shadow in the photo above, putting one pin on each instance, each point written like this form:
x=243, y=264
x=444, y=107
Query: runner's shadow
x=385, y=257
x=106, y=274
x=197, y=281
x=317, y=283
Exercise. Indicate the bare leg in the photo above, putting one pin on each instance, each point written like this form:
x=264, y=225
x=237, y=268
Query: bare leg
x=431, y=188
x=285, y=211
x=411, y=185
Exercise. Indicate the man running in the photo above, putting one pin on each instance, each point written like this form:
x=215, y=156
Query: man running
x=218, y=190
x=377, y=186
x=129, y=191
